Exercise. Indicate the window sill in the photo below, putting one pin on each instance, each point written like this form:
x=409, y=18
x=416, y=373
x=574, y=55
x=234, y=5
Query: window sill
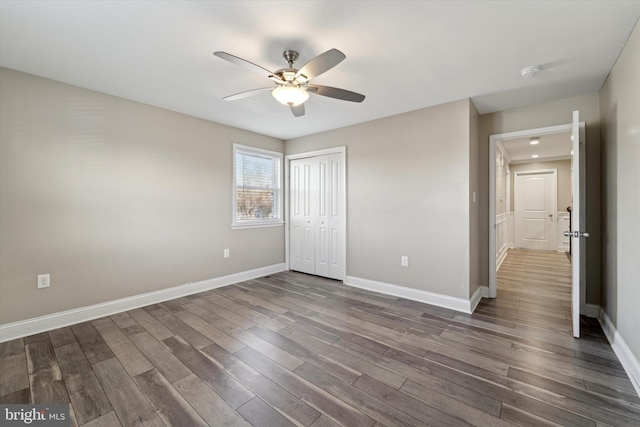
x=260, y=225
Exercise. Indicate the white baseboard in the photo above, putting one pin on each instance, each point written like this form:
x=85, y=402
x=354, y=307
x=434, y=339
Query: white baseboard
x=10, y=331
x=440, y=300
x=501, y=257
x=481, y=292
x=592, y=310
x=626, y=357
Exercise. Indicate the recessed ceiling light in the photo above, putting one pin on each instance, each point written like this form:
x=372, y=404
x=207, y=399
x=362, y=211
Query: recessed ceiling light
x=572, y=152
x=529, y=72
x=534, y=141
x=534, y=156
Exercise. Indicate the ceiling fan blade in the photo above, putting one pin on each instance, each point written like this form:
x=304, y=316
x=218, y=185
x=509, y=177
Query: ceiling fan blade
x=337, y=93
x=298, y=110
x=321, y=63
x=243, y=63
x=246, y=94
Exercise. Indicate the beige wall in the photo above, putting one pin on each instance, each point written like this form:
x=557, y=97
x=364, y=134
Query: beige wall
x=564, y=179
x=542, y=115
x=113, y=198
x=620, y=112
x=407, y=194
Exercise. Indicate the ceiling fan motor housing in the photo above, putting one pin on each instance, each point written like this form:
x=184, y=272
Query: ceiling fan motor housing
x=290, y=56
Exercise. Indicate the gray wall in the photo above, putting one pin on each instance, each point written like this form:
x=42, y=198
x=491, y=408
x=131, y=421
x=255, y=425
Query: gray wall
x=620, y=112
x=550, y=114
x=113, y=198
x=564, y=179
x=407, y=194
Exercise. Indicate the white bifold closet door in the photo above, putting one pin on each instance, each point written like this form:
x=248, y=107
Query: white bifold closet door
x=316, y=216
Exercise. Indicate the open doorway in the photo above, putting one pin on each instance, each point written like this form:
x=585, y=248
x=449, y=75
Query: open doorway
x=499, y=229
x=532, y=191
x=530, y=174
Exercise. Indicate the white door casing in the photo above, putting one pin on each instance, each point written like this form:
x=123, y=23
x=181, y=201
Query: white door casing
x=316, y=214
x=535, y=204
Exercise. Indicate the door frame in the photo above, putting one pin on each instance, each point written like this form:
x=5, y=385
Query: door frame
x=342, y=151
x=493, y=140
x=554, y=174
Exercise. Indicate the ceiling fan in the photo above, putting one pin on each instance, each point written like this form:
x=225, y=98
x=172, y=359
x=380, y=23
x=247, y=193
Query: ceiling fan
x=292, y=85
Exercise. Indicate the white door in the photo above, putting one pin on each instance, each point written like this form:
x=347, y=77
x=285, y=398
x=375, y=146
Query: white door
x=317, y=215
x=578, y=261
x=535, y=208
x=302, y=220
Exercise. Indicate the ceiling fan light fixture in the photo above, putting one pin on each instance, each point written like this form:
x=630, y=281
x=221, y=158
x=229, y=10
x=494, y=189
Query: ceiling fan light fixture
x=292, y=84
x=290, y=95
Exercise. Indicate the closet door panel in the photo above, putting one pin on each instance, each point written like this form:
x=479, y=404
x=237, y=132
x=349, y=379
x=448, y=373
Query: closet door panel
x=335, y=218
x=302, y=228
x=324, y=199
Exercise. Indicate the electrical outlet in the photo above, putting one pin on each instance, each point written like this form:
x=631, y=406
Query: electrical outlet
x=404, y=261
x=226, y=253
x=44, y=281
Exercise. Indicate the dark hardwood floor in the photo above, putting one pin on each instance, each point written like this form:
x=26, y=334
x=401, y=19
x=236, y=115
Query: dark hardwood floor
x=293, y=349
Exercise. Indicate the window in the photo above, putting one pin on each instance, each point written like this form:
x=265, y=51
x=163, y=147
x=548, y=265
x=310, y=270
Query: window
x=257, y=189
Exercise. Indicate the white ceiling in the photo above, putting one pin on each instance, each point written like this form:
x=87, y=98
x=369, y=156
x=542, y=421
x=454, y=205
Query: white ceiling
x=403, y=55
x=554, y=146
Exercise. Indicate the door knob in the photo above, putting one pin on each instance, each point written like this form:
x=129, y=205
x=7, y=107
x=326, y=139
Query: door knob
x=575, y=234
x=550, y=215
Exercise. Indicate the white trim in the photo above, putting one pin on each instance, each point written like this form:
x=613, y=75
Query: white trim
x=501, y=257
x=512, y=216
x=261, y=225
x=504, y=248
x=624, y=353
x=592, y=310
x=481, y=292
x=545, y=159
x=440, y=300
x=10, y=331
x=324, y=152
x=493, y=140
x=503, y=152
x=316, y=153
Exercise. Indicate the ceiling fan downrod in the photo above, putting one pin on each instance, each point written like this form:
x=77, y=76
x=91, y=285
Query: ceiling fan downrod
x=290, y=56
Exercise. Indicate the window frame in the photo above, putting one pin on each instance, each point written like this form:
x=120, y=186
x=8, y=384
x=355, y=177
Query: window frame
x=263, y=222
